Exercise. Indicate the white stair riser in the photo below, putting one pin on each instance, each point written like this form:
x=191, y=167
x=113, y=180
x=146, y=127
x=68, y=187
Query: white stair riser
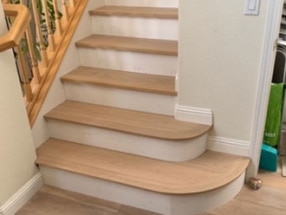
x=129, y=61
x=128, y=99
x=136, y=27
x=156, y=202
x=129, y=143
x=144, y=3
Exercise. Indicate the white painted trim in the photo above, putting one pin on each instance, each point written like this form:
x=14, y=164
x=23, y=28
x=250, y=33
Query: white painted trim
x=194, y=114
x=262, y=95
x=22, y=196
x=228, y=145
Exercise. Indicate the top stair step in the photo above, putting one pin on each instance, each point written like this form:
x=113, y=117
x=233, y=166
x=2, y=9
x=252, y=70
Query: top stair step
x=146, y=12
x=144, y=3
x=134, y=122
x=152, y=46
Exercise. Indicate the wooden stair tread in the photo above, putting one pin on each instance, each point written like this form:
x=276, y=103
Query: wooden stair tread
x=134, y=122
x=210, y=171
x=147, y=12
x=153, y=46
x=121, y=79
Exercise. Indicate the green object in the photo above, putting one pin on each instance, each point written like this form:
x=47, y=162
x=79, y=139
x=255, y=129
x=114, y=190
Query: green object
x=274, y=115
x=269, y=158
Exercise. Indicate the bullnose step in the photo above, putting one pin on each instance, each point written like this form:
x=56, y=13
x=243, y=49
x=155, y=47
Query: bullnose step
x=146, y=12
x=210, y=171
x=128, y=121
x=158, y=84
x=152, y=46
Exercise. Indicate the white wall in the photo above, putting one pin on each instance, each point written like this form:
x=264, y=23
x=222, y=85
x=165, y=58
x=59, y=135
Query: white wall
x=220, y=54
x=17, y=153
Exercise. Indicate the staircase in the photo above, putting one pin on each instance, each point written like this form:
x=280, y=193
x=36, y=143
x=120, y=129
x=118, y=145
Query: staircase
x=115, y=137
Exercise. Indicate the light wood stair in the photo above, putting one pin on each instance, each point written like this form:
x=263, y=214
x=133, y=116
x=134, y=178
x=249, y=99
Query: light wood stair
x=152, y=46
x=144, y=3
x=140, y=123
x=121, y=79
x=147, y=12
x=102, y=145
x=208, y=172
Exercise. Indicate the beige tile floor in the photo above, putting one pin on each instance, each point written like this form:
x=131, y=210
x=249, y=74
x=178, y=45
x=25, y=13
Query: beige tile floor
x=269, y=200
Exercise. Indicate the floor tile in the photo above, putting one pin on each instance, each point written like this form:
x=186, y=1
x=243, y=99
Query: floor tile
x=273, y=179
x=83, y=199
x=238, y=207
x=44, y=204
x=266, y=196
x=206, y=214
x=126, y=210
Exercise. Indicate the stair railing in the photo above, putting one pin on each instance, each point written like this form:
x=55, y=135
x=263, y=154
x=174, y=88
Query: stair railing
x=40, y=32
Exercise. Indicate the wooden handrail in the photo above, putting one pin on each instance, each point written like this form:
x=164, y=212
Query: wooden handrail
x=39, y=47
x=20, y=24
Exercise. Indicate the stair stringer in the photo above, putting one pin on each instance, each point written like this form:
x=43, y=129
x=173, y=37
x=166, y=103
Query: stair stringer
x=165, y=204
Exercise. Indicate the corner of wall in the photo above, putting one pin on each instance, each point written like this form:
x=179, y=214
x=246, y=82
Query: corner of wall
x=229, y=145
x=22, y=196
x=194, y=114
x=215, y=143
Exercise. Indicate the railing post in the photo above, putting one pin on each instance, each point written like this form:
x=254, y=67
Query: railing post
x=72, y=3
x=25, y=75
x=65, y=10
x=34, y=61
x=44, y=58
x=59, y=29
x=51, y=40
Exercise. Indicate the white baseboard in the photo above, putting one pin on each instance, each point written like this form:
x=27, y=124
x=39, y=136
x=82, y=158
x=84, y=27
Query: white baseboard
x=22, y=196
x=194, y=114
x=228, y=145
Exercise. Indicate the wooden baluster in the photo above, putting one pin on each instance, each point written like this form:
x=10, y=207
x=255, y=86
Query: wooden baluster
x=72, y=3
x=65, y=10
x=44, y=59
x=33, y=57
x=51, y=40
x=35, y=66
x=59, y=28
x=24, y=74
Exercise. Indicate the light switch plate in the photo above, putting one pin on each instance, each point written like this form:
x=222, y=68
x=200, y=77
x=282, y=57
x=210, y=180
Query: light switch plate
x=252, y=7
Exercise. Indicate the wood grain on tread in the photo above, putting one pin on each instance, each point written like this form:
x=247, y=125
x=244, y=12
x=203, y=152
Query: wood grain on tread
x=152, y=46
x=147, y=12
x=210, y=171
x=125, y=80
x=134, y=122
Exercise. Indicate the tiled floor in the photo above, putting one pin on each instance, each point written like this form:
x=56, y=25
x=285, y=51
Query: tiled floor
x=269, y=200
